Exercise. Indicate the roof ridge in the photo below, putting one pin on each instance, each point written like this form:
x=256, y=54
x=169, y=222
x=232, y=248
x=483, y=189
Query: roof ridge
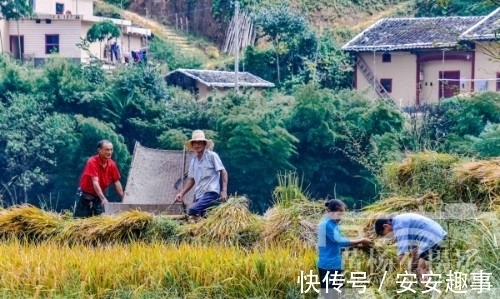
x=480, y=22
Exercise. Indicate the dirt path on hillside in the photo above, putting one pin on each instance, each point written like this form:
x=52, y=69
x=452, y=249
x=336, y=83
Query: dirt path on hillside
x=158, y=29
x=163, y=31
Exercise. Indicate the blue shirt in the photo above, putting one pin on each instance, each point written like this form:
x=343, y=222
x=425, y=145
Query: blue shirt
x=206, y=173
x=330, y=241
x=413, y=230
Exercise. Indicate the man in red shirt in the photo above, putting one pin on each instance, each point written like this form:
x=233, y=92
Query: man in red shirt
x=99, y=172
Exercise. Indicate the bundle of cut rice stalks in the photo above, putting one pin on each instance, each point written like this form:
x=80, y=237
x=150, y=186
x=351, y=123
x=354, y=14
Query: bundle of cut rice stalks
x=430, y=202
x=286, y=227
x=103, y=229
x=309, y=210
x=163, y=229
x=478, y=182
x=229, y=224
x=374, y=260
x=420, y=173
x=27, y=221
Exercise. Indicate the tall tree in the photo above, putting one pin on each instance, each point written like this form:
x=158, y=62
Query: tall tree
x=253, y=145
x=15, y=10
x=102, y=31
x=28, y=143
x=281, y=25
x=335, y=132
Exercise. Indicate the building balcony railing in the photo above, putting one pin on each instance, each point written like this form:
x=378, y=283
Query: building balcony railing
x=137, y=30
x=43, y=16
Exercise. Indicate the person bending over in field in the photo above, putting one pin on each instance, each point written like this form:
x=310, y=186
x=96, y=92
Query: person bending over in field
x=205, y=173
x=99, y=172
x=415, y=234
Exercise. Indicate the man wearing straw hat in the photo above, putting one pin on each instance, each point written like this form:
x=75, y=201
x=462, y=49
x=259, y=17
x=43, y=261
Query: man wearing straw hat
x=205, y=173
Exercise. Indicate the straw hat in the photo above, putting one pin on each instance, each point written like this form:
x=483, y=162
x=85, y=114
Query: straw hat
x=199, y=135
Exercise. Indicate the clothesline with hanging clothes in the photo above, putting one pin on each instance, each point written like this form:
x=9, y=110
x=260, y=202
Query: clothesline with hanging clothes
x=114, y=52
x=139, y=55
x=471, y=80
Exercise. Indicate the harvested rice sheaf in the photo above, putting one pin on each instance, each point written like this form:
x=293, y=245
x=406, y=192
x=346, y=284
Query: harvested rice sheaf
x=287, y=227
x=420, y=173
x=429, y=202
x=229, y=224
x=27, y=221
x=478, y=182
x=126, y=226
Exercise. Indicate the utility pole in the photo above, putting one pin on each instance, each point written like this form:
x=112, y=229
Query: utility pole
x=121, y=28
x=236, y=44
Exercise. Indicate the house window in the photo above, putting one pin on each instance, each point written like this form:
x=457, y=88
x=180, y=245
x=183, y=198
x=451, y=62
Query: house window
x=59, y=8
x=386, y=57
x=498, y=82
x=51, y=43
x=386, y=84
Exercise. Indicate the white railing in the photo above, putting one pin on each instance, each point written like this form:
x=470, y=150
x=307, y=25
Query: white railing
x=57, y=17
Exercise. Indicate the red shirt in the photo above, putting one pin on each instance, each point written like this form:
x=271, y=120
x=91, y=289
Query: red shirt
x=107, y=174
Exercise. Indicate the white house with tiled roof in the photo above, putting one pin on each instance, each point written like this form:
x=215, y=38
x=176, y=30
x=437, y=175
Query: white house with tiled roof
x=417, y=61
x=209, y=83
x=58, y=26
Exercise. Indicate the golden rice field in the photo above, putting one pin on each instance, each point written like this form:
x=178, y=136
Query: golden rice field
x=234, y=253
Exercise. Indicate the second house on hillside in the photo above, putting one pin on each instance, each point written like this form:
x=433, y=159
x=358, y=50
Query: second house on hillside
x=208, y=83
x=416, y=61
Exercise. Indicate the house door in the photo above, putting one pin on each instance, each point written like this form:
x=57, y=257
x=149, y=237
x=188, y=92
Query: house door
x=14, y=46
x=449, y=84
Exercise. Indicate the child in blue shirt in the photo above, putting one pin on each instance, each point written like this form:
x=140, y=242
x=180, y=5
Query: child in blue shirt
x=330, y=243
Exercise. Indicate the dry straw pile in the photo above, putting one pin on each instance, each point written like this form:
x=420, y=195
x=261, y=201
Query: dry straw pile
x=229, y=224
x=479, y=182
x=29, y=222
x=448, y=178
x=124, y=227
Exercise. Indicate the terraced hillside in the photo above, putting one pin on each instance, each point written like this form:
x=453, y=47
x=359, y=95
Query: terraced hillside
x=208, y=18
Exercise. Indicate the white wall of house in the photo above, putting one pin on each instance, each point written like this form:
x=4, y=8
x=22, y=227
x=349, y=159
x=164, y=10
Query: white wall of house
x=133, y=42
x=430, y=83
x=95, y=48
x=203, y=91
x=34, y=36
x=486, y=66
x=402, y=71
x=81, y=7
x=5, y=36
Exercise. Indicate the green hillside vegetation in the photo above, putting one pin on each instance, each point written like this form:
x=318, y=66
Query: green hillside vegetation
x=336, y=140
x=286, y=150
x=297, y=41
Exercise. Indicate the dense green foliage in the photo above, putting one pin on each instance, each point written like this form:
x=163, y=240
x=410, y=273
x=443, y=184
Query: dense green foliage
x=168, y=53
x=102, y=31
x=436, y=8
x=298, y=55
x=335, y=140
